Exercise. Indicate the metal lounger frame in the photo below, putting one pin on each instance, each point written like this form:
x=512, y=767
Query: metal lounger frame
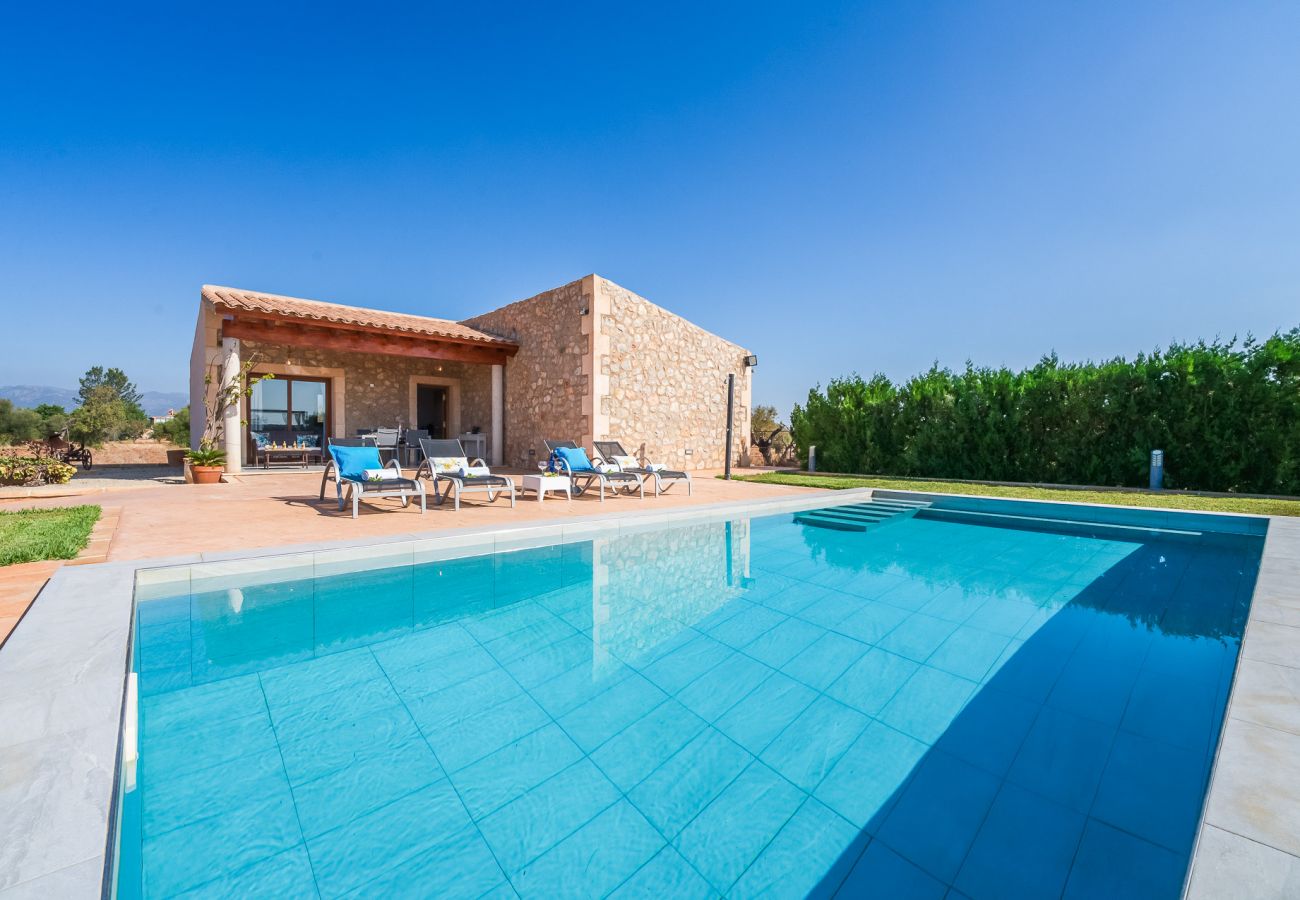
x=671, y=476
x=492, y=485
x=616, y=484
x=402, y=488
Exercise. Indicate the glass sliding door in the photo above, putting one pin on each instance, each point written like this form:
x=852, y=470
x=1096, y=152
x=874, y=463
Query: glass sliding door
x=308, y=402
x=288, y=411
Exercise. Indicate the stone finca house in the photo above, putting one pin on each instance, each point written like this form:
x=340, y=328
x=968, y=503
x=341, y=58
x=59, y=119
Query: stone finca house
x=587, y=361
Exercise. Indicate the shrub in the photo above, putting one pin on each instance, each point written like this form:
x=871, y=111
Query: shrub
x=25, y=468
x=1227, y=415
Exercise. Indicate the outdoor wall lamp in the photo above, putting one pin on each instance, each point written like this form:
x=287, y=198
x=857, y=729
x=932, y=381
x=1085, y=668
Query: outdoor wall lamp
x=751, y=361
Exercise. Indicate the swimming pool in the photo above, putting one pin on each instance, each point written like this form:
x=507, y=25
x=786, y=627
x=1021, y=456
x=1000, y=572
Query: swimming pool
x=741, y=707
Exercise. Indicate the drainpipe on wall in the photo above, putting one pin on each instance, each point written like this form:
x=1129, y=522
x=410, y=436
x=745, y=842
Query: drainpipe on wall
x=731, y=403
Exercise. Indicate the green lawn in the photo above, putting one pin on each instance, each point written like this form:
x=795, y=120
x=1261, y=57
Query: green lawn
x=29, y=535
x=1118, y=498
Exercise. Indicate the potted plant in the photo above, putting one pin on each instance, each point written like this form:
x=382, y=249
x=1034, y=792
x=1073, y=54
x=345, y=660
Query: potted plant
x=207, y=464
x=208, y=461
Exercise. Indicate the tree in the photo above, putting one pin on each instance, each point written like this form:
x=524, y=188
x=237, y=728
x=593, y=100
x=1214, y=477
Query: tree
x=134, y=419
x=102, y=416
x=98, y=376
x=18, y=425
x=177, y=430
x=54, y=419
x=769, y=435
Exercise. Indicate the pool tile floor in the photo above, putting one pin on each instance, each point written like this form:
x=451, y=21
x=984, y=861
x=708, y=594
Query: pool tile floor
x=879, y=735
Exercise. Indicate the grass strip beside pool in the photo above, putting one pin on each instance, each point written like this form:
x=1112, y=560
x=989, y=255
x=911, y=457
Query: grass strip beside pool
x=30, y=535
x=1250, y=505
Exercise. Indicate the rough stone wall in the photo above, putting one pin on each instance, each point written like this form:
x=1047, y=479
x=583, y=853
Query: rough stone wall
x=377, y=387
x=475, y=396
x=667, y=384
x=546, y=382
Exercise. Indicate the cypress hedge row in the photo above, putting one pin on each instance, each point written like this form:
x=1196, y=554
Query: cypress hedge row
x=1227, y=415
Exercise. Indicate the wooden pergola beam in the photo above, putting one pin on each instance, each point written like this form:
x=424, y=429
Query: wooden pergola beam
x=296, y=334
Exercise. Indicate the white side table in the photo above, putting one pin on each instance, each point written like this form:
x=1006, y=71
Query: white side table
x=543, y=483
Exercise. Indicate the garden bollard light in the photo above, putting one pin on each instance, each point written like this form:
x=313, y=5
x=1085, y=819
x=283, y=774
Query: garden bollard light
x=1157, y=469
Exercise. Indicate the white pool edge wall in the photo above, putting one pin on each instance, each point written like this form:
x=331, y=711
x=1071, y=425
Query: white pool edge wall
x=61, y=752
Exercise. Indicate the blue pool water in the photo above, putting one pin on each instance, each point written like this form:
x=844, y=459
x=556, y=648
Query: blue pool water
x=927, y=709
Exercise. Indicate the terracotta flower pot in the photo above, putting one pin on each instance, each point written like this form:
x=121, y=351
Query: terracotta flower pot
x=207, y=474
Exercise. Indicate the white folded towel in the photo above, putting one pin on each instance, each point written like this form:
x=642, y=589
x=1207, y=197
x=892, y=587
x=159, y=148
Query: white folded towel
x=382, y=474
x=474, y=471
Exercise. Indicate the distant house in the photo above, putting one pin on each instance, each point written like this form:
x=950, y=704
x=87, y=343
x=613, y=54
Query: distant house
x=587, y=361
x=158, y=420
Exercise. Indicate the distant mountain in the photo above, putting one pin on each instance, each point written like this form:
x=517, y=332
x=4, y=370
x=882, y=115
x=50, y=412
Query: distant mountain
x=155, y=403
x=30, y=395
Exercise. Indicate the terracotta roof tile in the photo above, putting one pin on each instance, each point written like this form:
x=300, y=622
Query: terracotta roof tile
x=299, y=308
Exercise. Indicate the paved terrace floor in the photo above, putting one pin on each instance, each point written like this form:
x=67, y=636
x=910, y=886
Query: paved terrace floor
x=277, y=508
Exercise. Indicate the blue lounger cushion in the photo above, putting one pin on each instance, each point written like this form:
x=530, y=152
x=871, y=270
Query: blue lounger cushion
x=353, y=461
x=576, y=458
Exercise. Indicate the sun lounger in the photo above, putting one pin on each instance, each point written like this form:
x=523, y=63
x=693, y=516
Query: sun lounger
x=445, y=460
x=574, y=463
x=330, y=468
x=360, y=469
x=613, y=454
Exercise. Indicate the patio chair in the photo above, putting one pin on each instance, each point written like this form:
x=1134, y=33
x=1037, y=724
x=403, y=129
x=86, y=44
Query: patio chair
x=330, y=467
x=613, y=454
x=366, y=477
x=445, y=460
x=386, y=441
x=582, y=468
x=411, y=445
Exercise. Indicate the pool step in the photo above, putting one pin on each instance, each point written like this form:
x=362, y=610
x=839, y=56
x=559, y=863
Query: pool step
x=860, y=516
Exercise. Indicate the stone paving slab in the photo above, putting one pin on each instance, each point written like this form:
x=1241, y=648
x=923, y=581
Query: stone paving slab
x=1249, y=843
x=64, y=672
x=1231, y=867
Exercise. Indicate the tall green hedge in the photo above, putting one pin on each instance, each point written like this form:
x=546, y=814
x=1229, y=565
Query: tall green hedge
x=1227, y=415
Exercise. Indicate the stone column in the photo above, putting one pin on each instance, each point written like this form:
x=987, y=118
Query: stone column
x=496, y=450
x=232, y=433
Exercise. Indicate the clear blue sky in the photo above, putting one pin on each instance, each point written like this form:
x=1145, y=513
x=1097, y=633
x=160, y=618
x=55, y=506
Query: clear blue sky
x=839, y=187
